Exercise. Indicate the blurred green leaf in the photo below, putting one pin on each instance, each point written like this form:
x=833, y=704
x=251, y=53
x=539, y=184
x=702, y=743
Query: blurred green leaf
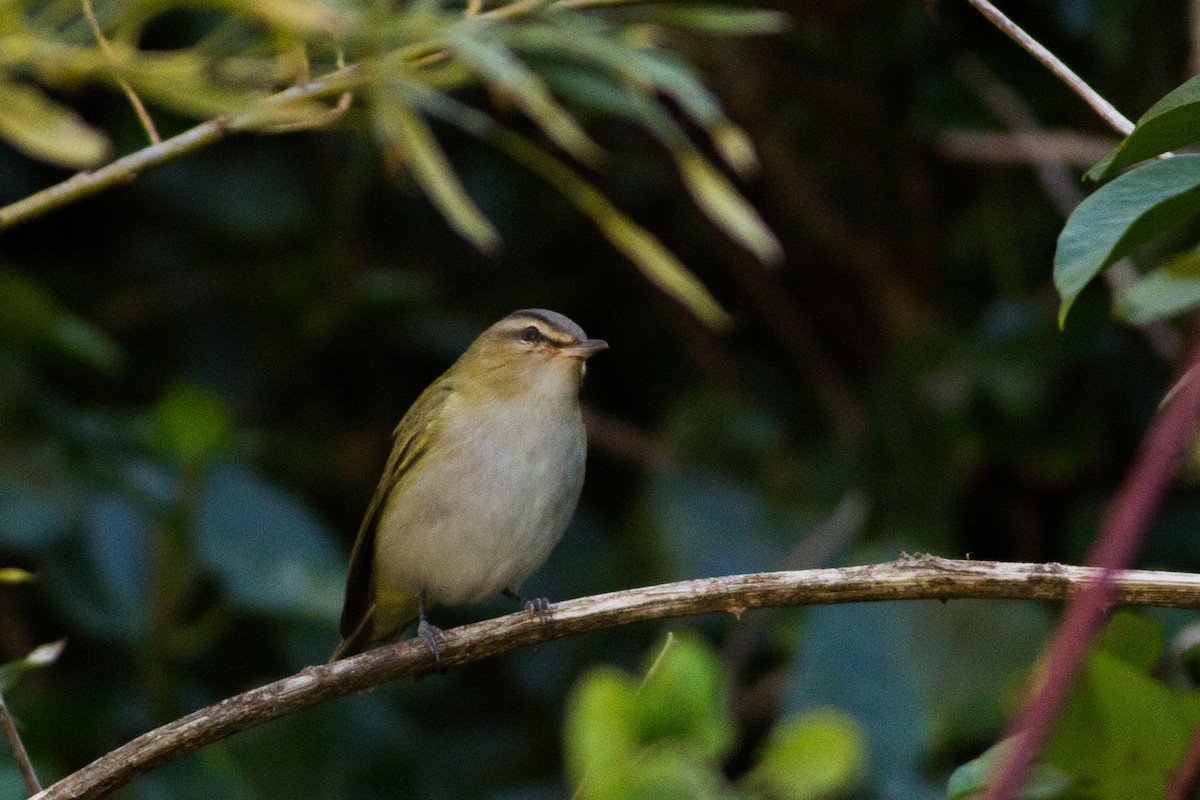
x=503, y=71
x=972, y=780
x=646, y=252
x=683, y=698
x=40, y=656
x=15, y=575
x=36, y=125
x=191, y=425
x=815, y=755
x=1121, y=216
x=1121, y=732
x=30, y=316
x=414, y=147
x=1134, y=638
x=1166, y=292
x=1172, y=122
x=269, y=550
x=724, y=20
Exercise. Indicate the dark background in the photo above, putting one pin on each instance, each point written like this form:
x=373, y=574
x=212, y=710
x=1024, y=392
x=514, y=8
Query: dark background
x=899, y=383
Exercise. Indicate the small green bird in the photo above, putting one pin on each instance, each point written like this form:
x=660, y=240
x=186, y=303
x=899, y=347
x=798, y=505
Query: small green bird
x=484, y=474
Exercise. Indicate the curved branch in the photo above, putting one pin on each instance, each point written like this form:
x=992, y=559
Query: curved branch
x=909, y=578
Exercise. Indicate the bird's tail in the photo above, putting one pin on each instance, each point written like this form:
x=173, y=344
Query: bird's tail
x=384, y=622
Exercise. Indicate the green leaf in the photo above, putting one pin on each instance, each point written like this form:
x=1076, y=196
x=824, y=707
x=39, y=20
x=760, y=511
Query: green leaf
x=811, y=756
x=683, y=699
x=1134, y=638
x=15, y=575
x=657, y=263
x=413, y=145
x=1121, y=216
x=43, y=129
x=1168, y=291
x=714, y=194
x=191, y=425
x=601, y=729
x=40, y=656
x=648, y=68
x=723, y=20
x=973, y=779
x=502, y=70
x=1172, y=122
x=30, y=316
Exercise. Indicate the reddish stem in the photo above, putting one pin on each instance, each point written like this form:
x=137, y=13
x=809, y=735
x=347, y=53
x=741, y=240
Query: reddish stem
x=1121, y=533
x=1184, y=776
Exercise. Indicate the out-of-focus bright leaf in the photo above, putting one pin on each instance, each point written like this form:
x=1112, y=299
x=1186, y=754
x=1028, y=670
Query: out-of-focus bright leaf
x=1121, y=216
x=657, y=263
x=663, y=738
x=811, y=756
x=40, y=656
x=191, y=425
x=1133, y=638
x=15, y=575
x=972, y=780
x=1172, y=122
x=270, y=551
x=41, y=128
x=1171, y=289
x=415, y=148
x=1121, y=732
x=723, y=21
x=503, y=71
x=30, y=316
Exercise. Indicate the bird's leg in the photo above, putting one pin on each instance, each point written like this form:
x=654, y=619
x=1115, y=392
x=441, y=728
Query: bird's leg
x=428, y=632
x=538, y=605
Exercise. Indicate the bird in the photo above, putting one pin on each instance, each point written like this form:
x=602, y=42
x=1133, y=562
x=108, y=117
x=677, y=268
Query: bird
x=485, y=471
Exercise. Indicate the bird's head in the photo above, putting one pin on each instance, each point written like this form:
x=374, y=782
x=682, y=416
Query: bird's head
x=530, y=348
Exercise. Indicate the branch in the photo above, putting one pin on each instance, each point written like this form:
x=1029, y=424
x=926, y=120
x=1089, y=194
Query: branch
x=84, y=184
x=1116, y=120
x=909, y=578
x=9, y=727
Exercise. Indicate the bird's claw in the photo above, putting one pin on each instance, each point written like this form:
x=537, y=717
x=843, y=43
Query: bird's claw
x=541, y=607
x=430, y=634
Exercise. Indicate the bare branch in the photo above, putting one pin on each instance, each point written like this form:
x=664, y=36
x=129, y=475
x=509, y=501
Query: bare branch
x=909, y=578
x=1116, y=120
x=1065, y=147
x=9, y=726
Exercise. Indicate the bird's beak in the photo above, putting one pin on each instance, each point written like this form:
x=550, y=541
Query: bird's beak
x=585, y=349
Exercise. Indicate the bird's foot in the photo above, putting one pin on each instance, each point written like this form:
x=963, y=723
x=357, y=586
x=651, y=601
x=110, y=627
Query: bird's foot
x=430, y=634
x=541, y=607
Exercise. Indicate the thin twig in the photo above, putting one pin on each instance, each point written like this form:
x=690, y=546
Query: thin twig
x=1121, y=533
x=135, y=101
x=9, y=726
x=1105, y=109
x=909, y=578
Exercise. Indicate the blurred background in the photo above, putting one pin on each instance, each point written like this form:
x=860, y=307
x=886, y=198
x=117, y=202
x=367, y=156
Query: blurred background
x=199, y=372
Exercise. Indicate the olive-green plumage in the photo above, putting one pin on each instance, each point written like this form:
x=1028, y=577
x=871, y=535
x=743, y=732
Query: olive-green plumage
x=484, y=474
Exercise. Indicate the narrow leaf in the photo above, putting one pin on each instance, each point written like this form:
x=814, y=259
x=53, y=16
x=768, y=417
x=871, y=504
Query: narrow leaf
x=1172, y=122
x=40, y=656
x=15, y=575
x=726, y=207
x=1121, y=216
x=650, y=68
x=415, y=147
x=43, y=129
x=724, y=21
x=501, y=69
x=657, y=263
x=1169, y=290
x=714, y=194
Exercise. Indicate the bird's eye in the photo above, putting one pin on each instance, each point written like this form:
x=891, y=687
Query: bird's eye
x=531, y=334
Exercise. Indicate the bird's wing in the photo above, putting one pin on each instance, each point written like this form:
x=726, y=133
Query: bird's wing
x=411, y=440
